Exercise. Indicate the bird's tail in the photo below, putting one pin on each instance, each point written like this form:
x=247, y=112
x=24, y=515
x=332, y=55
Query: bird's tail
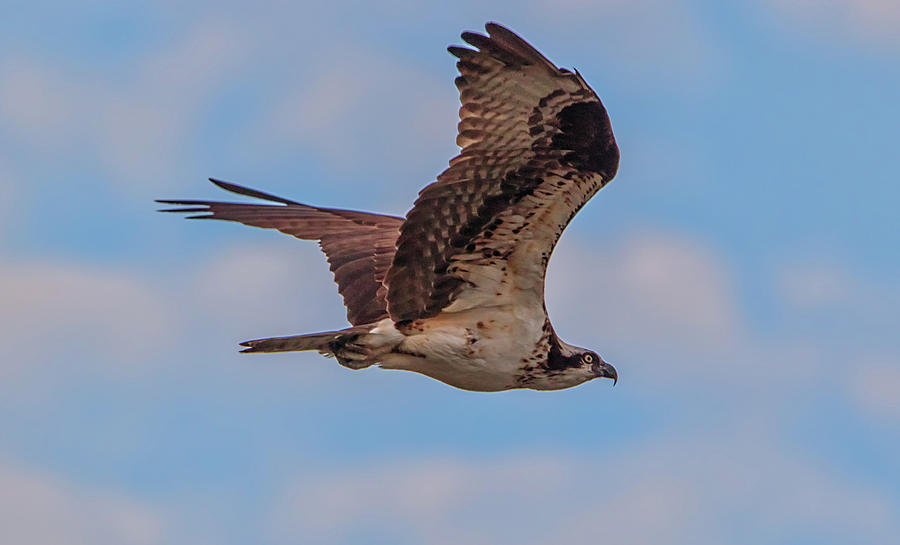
x=342, y=344
x=311, y=341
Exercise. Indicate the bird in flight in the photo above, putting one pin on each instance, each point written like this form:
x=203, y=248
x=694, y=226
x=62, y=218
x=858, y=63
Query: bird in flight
x=455, y=290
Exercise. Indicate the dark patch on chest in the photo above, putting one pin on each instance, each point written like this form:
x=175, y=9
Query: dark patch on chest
x=536, y=366
x=557, y=361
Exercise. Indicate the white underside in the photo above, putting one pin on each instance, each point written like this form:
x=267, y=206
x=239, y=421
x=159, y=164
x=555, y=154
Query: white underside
x=453, y=348
x=479, y=349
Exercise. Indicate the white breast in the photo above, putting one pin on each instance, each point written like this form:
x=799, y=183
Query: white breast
x=479, y=349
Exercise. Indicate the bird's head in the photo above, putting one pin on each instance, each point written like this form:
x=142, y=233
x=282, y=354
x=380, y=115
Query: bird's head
x=600, y=368
x=586, y=363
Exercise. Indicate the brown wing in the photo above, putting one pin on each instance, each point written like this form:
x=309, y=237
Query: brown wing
x=360, y=246
x=536, y=145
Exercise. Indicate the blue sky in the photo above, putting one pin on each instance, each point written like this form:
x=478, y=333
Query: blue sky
x=741, y=272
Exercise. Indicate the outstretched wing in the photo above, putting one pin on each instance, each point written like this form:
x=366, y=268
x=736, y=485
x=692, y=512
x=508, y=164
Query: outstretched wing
x=360, y=246
x=536, y=145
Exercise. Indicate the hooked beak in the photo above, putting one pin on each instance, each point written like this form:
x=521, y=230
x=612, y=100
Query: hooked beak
x=605, y=370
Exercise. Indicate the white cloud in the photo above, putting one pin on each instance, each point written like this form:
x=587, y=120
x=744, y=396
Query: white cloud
x=33, y=100
x=320, y=103
x=137, y=123
x=671, y=306
x=142, y=122
x=421, y=497
x=147, y=123
x=39, y=509
x=357, y=107
x=121, y=324
x=815, y=284
x=267, y=290
x=53, y=310
x=9, y=195
x=655, y=288
x=666, y=309
x=831, y=297
x=872, y=21
x=876, y=387
x=646, y=39
x=681, y=283
x=715, y=490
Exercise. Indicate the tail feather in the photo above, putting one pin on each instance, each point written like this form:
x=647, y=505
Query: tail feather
x=312, y=341
x=325, y=342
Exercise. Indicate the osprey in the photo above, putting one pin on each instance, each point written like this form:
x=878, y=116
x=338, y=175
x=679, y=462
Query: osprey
x=455, y=290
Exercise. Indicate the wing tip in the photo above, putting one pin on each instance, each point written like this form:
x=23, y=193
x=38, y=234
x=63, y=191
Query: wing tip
x=186, y=207
x=460, y=52
x=507, y=46
x=227, y=186
x=247, y=192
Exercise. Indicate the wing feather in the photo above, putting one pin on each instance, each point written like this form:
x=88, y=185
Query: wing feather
x=536, y=145
x=359, y=245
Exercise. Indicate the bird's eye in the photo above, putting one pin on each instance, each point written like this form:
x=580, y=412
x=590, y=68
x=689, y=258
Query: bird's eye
x=588, y=358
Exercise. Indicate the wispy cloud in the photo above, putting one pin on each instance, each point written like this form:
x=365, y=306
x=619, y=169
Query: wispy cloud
x=51, y=310
x=653, y=287
x=829, y=295
x=875, y=387
x=647, y=40
x=736, y=489
x=265, y=290
x=9, y=196
x=366, y=110
x=35, y=100
x=41, y=509
x=875, y=22
x=126, y=319
x=815, y=285
x=137, y=124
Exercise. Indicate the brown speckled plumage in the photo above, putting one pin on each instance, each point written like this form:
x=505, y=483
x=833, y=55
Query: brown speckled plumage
x=455, y=290
x=525, y=130
x=359, y=245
